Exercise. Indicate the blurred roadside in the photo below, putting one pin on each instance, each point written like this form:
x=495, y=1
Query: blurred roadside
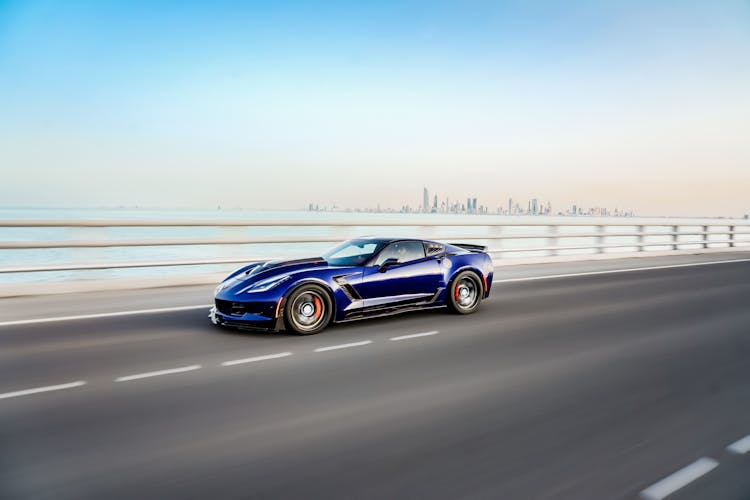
x=83, y=298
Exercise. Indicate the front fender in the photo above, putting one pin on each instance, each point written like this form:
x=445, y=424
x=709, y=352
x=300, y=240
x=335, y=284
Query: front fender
x=309, y=281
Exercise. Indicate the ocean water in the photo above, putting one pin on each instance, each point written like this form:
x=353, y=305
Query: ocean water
x=454, y=227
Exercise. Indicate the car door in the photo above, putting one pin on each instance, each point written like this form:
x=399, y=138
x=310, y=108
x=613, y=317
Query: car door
x=414, y=278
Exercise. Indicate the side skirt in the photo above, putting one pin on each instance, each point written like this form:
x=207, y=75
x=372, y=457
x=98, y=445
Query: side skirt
x=390, y=312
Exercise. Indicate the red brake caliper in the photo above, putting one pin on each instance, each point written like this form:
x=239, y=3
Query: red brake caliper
x=318, y=308
x=456, y=291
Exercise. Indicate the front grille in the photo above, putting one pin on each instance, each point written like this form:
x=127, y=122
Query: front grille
x=230, y=308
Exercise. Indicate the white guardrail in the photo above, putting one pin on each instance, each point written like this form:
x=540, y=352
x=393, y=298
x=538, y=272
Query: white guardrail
x=582, y=238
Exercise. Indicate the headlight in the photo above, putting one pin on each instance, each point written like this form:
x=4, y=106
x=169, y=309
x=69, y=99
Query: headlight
x=265, y=285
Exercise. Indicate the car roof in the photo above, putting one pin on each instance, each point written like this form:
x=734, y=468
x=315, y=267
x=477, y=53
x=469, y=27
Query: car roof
x=382, y=239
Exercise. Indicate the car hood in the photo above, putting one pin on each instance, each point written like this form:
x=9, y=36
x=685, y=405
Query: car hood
x=265, y=270
x=276, y=267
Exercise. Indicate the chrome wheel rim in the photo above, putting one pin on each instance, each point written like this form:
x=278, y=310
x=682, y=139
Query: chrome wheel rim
x=466, y=293
x=308, y=310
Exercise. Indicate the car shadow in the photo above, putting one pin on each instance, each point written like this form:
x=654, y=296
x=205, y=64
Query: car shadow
x=382, y=321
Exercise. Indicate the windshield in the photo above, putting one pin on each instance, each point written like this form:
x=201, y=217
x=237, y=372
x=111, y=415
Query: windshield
x=352, y=252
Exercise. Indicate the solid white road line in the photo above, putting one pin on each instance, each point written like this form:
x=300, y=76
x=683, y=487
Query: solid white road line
x=48, y=388
x=741, y=446
x=679, y=479
x=415, y=335
x=343, y=346
x=256, y=358
x=157, y=373
x=103, y=315
x=616, y=271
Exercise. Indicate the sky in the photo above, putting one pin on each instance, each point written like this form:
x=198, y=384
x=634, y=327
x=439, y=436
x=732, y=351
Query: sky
x=631, y=103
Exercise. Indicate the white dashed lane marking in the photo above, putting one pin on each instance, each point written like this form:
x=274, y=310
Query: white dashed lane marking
x=679, y=479
x=415, y=335
x=169, y=371
x=37, y=390
x=256, y=358
x=343, y=346
x=741, y=446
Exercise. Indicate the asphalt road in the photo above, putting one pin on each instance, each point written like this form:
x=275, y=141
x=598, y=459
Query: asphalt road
x=598, y=386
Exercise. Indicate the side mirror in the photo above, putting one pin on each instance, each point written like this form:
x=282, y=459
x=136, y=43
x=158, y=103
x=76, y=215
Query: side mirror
x=386, y=264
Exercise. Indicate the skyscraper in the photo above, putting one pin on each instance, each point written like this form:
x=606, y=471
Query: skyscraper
x=425, y=201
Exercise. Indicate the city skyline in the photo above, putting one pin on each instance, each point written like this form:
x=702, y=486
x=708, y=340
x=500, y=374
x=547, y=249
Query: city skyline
x=446, y=205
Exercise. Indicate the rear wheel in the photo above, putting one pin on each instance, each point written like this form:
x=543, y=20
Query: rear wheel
x=465, y=293
x=308, y=310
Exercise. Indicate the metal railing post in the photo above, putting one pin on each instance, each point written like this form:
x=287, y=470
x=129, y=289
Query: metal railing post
x=552, y=238
x=640, y=238
x=675, y=237
x=705, y=236
x=497, y=242
x=600, y=239
x=731, y=236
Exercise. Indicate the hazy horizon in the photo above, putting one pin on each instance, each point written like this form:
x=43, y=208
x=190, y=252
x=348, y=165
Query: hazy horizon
x=637, y=105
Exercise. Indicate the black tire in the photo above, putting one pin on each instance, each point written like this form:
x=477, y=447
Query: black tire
x=465, y=293
x=308, y=310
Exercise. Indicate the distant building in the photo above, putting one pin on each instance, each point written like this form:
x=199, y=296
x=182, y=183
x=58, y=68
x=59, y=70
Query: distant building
x=425, y=200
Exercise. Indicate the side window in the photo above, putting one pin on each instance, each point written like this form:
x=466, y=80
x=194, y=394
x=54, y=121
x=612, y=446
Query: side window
x=404, y=251
x=433, y=248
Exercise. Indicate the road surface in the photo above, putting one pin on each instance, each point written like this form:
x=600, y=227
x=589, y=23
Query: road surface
x=630, y=384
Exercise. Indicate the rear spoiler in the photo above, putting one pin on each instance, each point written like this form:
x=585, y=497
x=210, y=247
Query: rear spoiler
x=471, y=248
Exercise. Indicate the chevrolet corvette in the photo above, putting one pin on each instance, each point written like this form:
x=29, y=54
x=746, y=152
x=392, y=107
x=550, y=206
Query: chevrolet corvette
x=360, y=278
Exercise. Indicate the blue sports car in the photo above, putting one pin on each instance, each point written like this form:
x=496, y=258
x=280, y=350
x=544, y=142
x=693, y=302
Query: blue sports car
x=357, y=279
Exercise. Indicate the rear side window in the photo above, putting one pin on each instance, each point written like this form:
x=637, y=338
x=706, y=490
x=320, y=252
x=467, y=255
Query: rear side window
x=433, y=248
x=404, y=251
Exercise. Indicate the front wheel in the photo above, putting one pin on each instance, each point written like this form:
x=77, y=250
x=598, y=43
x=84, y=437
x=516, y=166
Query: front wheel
x=308, y=310
x=465, y=293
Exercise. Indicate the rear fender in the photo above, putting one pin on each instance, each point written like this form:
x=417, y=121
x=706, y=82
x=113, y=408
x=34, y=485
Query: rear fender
x=485, y=279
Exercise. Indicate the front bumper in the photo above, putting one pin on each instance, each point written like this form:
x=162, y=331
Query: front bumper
x=247, y=320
